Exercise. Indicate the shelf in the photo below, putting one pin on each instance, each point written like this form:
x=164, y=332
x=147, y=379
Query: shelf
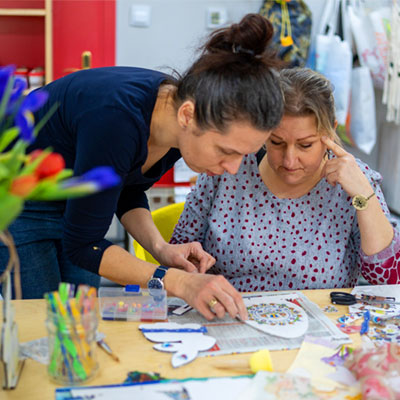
x=47, y=13
x=23, y=12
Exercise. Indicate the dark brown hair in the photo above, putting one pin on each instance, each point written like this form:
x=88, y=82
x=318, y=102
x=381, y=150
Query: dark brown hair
x=234, y=79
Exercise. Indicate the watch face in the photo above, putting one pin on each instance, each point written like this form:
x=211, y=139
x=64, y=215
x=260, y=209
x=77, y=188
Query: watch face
x=360, y=202
x=155, y=284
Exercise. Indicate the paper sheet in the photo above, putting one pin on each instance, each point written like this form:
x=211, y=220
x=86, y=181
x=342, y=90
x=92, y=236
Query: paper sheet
x=279, y=386
x=236, y=337
x=309, y=363
x=38, y=349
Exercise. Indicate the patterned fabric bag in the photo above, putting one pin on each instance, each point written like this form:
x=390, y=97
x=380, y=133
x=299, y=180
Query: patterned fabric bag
x=291, y=20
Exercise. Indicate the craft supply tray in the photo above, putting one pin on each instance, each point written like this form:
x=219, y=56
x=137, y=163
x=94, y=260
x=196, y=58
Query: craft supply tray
x=131, y=303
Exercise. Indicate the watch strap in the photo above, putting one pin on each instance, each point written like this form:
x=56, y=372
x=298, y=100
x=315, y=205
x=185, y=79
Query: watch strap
x=160, y=272
x=371, y=195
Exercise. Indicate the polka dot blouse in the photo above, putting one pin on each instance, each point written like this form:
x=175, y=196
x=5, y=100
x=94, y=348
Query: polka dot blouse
x=262, y=242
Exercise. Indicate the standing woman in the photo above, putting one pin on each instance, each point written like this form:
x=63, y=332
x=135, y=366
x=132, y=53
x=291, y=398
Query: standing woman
x=141, y=122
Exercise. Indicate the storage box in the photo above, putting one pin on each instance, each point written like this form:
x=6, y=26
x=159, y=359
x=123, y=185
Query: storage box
x=131, y=303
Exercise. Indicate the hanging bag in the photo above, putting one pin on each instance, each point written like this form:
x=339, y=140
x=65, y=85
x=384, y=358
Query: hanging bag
x=334, y=60
x=291, y=20
x=370, y=31
x=363, y=118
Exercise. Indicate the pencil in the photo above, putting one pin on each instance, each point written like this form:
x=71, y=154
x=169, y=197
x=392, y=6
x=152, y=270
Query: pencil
x=103, y=345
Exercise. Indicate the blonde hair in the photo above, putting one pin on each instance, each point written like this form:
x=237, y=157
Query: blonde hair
x=307, y=92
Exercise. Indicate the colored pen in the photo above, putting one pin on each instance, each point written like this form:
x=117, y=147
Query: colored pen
x=365, y=325
x=102, y=344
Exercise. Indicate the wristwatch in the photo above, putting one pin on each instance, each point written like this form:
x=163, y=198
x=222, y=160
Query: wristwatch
x=360, y=202
x=156, y=281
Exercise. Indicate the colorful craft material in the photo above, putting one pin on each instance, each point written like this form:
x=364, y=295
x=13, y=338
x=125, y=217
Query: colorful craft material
x=283, y=318
x=125, y=304
x=339, y=357
x=385, y=334
x=139, y=377
x=349, y=329
x=392, y=319
x=330, y=309
x=378, y=370
x=72, y=324
x=349, y=318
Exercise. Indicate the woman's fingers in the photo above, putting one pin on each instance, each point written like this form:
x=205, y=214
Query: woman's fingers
x=202, y=290
x=334, y=147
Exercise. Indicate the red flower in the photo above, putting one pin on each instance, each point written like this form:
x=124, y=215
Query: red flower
x=23, y=185
x=49, y=166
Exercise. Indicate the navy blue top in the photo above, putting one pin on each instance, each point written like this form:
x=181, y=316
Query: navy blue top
x=103, y=118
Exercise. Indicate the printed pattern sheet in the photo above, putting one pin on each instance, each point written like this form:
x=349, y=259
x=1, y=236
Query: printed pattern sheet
x=234, y=336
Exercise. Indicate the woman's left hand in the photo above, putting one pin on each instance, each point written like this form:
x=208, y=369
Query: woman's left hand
x=344, y=170
x=188, y=256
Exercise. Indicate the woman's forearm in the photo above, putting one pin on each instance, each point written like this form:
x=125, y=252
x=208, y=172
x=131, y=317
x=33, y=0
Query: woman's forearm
x=375, y=229
x=139, y=223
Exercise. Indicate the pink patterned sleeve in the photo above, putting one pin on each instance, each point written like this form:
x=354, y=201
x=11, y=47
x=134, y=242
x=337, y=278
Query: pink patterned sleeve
x=384, y=267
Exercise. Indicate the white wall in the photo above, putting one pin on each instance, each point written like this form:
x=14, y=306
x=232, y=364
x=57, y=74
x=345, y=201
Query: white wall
x=176, y=30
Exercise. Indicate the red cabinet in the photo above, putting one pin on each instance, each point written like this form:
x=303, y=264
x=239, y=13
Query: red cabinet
x=54, y=34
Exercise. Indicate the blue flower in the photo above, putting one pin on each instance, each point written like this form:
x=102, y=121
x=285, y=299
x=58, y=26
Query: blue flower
x=5, y=74
x=98, y=178
x=19, y=86
x=24, y=118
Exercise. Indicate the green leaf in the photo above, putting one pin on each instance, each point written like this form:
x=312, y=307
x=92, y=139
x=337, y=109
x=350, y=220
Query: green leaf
x=4, y=172
x=56, y=192
x=42, y=187
x=6, y=97
x=63, y=174
x=10, y=207
x=8, y=136
x=17, y=157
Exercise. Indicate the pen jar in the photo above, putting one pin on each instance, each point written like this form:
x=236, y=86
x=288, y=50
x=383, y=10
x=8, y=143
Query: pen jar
x=72, y=346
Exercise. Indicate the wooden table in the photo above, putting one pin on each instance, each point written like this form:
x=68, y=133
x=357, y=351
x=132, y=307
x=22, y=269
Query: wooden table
x=134, y=351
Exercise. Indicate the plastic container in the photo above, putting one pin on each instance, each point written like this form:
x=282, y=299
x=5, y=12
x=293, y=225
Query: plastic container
x=130, y=303
x=36, y=78
x=72, y=347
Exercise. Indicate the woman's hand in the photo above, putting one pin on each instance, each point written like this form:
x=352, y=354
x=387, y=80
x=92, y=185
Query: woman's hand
x=211, y=295
x=344, y=170
x=188, y=256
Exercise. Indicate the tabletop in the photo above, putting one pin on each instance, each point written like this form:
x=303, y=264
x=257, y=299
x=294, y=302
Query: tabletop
x=133, y=350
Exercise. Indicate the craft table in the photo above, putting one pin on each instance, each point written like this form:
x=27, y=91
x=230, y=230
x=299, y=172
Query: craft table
x=134, y=351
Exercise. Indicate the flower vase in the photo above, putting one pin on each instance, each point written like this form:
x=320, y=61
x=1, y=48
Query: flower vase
x=9, y=345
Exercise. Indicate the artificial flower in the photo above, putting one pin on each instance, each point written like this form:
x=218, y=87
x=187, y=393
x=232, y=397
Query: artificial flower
x=40, y=175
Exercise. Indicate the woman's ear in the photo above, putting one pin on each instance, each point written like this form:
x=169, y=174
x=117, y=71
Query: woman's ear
x=185, y=114
x=335, y=125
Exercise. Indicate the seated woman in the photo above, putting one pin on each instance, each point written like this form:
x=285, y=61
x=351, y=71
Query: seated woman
x=308, y=215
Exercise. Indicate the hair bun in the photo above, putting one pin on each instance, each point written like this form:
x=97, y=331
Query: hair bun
x=250, y=36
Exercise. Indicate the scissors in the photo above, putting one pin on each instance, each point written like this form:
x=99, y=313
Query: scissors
x=343, y=298
x=348, y=299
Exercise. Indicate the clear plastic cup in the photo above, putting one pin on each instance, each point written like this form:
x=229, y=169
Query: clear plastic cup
x=72, y=346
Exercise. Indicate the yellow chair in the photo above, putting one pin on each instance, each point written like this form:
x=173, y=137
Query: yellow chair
x=165, y=219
